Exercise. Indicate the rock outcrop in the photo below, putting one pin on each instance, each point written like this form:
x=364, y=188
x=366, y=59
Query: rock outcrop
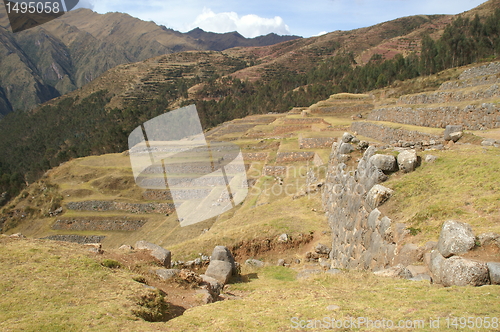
x=161, y=254
x=222, y=265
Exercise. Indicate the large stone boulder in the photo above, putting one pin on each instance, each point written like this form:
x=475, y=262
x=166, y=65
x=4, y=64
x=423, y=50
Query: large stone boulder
x=221, y=253
x=407, y=161
x=222, y=265
x=346, y=148
x=384, y=162
x=167, y=274
x=254, y=262
x=377, y=195
x=409, y=254
x=494, y=269
x=347, y=138
x=456, y=238
x=220, y=270
x=488, y=239
x=214, y=284
x=453, y=132
x=161, y=254
x=458, y=271
x=436, y=266
x=322, y=249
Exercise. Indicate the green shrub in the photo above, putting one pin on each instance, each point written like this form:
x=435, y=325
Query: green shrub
x=111, y=263
x=152, y=306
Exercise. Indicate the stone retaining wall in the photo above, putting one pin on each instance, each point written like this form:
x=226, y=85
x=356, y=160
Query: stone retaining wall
x=98, y=224
x=121, y=206
x=471, y=117
x=303, y=121
x=440, y=97
x=316, y=143
x=390, y=135
x=325, y=110
x=82, y=239
x=294, y=156
x=488, y=69
x=279, y=171
x=255, y=156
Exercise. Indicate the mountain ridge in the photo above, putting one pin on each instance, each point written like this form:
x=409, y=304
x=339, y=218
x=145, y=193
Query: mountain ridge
x=71, y=51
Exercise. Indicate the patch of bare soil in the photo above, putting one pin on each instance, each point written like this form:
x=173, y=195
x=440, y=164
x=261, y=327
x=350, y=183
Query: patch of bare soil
x=489, y=253
x=266, y=247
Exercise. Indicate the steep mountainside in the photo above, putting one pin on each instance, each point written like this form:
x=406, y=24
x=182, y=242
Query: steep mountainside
x=71, y=51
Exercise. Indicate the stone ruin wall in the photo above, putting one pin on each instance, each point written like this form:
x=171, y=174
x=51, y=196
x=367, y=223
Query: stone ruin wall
x=316, y=142
x=282, y=157
x=471, y=117
x=390, y=135
x=362, y=237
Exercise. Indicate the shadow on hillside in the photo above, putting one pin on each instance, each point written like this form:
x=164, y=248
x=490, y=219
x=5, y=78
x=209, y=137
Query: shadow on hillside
x=173, y=312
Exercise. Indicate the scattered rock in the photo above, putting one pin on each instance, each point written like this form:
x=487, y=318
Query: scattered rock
x=281, y=262
x=416, y=270
x=325, y=263
x=452, y=129
x=17, y=236
x=489, y=142
x=347, y=138
x=126, y=247
x=421, y=277
x=456, y=136
x=487, y=239
x=459, y=271
x=161, y=254
x=333, y=307
x=410, y=254
x=222, y=253
x=363, y=145
x=167, y=274
x=219, y=270
x=56, y=212
x=407, y=161
x=283, y=238
x=345, y=148
x=436, y=266
x=322, y=249
x=333, y=271
x=95, y=251
x=254, y=262
x=494, y=270
x=377, y=195
x=214, y=284
x=306, y=273
x=190, y=277
x=386, y=163
x=430, y=158
x=398, y=271
x=206, y=296
x=456, y=238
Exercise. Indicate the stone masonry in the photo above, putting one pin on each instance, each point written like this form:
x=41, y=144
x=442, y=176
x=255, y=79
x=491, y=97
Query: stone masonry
x=362, y=237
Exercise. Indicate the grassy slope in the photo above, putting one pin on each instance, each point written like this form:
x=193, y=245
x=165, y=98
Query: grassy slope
x=53, y=286
x=463, y=184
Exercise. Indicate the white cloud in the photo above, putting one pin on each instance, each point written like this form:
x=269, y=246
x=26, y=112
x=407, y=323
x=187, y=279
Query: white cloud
x=320, y=34
x=248, y=25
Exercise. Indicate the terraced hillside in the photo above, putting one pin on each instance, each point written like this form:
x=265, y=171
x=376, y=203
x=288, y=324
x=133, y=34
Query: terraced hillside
x=288, y=159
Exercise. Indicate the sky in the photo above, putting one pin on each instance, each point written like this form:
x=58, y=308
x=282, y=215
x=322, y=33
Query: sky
x=260, y=17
